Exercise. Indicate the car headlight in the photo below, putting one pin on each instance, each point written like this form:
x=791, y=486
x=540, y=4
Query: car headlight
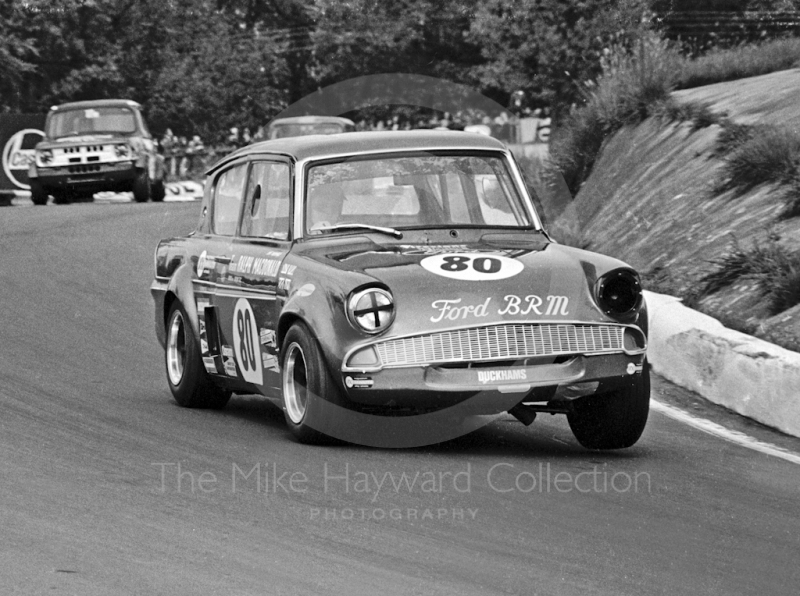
x=44, y=157
x=122, y=151
x=619, y=292
x=371, y=310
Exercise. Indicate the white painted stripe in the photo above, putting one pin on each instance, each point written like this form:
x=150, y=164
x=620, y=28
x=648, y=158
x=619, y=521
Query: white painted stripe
x=717, y=430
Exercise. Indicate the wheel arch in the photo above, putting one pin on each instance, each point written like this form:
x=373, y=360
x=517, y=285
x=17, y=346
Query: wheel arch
x=181, y=288
x=285, y=323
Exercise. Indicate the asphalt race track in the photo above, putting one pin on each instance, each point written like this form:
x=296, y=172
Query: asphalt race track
x=108, y=487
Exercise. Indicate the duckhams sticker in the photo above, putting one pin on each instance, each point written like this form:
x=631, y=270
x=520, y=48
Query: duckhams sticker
x=498, y=376
x=472, y=266
x=246, y=342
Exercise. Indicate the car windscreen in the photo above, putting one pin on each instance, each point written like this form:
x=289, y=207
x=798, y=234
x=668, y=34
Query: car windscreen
x=414, y=191
x=98, y=120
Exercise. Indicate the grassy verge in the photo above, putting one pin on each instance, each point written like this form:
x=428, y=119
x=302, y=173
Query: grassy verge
x=636, y=82
x=736, y=63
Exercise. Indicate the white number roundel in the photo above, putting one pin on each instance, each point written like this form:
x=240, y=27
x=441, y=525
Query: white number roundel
x=472, y=266
x=246, y=343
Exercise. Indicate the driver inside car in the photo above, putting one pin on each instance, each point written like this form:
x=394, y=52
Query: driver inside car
x=325, y=202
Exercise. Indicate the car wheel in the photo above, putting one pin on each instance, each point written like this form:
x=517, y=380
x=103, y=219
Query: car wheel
x=141, y=187
x=38, y=194
x=188, y=380
x=613, y=420
x=157, y=191
x=304, y=380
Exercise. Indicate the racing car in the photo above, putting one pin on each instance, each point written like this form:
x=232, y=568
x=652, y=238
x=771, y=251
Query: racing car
x=375, y=283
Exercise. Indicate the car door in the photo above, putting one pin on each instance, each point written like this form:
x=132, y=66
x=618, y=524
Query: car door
x=247, y=298
x=213, y=261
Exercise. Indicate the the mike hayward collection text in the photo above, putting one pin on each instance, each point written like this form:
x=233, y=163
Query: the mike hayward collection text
x=345, y=479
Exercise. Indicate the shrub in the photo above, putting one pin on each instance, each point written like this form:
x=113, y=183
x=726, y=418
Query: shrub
x=731, y=137
x=633, y=80
x=762, y=154
x=699, y=114
x=792, y=208
x=636, y=82
x=774, y=268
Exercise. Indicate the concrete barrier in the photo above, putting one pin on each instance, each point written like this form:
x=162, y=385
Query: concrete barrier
x=743, y=373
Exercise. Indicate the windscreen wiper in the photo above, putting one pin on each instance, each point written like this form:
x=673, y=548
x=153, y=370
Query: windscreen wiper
x=358, y=226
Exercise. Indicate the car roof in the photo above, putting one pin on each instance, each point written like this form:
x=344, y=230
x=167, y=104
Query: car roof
x=97, y=103
x=349, y=143
x=311, y=120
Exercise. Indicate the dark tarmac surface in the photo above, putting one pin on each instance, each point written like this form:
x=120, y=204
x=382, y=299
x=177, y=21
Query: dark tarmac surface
x=108, y=487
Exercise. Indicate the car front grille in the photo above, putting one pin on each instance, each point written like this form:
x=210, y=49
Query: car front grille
x=501, y=342
x=83, y=169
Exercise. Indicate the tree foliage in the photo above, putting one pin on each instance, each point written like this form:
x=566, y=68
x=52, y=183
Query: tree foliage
x=548, y=48
x=203, y=66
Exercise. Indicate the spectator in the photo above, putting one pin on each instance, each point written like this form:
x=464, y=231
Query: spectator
x=168, y=141
x=195, y=145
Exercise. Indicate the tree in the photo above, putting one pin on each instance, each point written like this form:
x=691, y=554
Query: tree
x=365, y=37
x=548, y=48
x=17, y=51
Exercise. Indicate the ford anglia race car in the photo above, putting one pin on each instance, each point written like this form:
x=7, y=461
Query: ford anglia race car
x=384, y=280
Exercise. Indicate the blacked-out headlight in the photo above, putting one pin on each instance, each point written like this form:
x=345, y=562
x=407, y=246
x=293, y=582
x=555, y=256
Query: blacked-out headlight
x=371, y=310
x=122, y=150
x=619, y=292
x=44, y=157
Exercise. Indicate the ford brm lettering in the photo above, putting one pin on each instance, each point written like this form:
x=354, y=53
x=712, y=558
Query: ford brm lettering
x=94, y=146
x=385, y=280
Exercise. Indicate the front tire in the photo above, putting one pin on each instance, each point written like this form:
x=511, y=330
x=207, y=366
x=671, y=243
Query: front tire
x=188, y=380
x=38, y=194
x=141, y=187
x=613, y=420
x=304, y=381
x=62, y=197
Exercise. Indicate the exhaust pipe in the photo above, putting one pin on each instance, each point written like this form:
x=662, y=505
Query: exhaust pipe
x=523, y=413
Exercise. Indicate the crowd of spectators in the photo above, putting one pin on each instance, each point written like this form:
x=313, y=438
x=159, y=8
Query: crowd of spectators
x=503, y=126
x=188, y=156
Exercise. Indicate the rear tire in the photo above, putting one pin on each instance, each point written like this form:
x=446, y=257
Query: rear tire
x=141, y=187
x=304, y=380
x=613, y=420
x=85, y=197
x=38, y=194
x=62, y=198
x=188, y=380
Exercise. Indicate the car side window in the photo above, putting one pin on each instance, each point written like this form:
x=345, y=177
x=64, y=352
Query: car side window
x=228, y=199
x=266, y=213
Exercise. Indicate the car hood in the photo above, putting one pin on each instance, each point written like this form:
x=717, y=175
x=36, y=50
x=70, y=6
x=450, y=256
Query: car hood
x=493, y=278
x=79, y=140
